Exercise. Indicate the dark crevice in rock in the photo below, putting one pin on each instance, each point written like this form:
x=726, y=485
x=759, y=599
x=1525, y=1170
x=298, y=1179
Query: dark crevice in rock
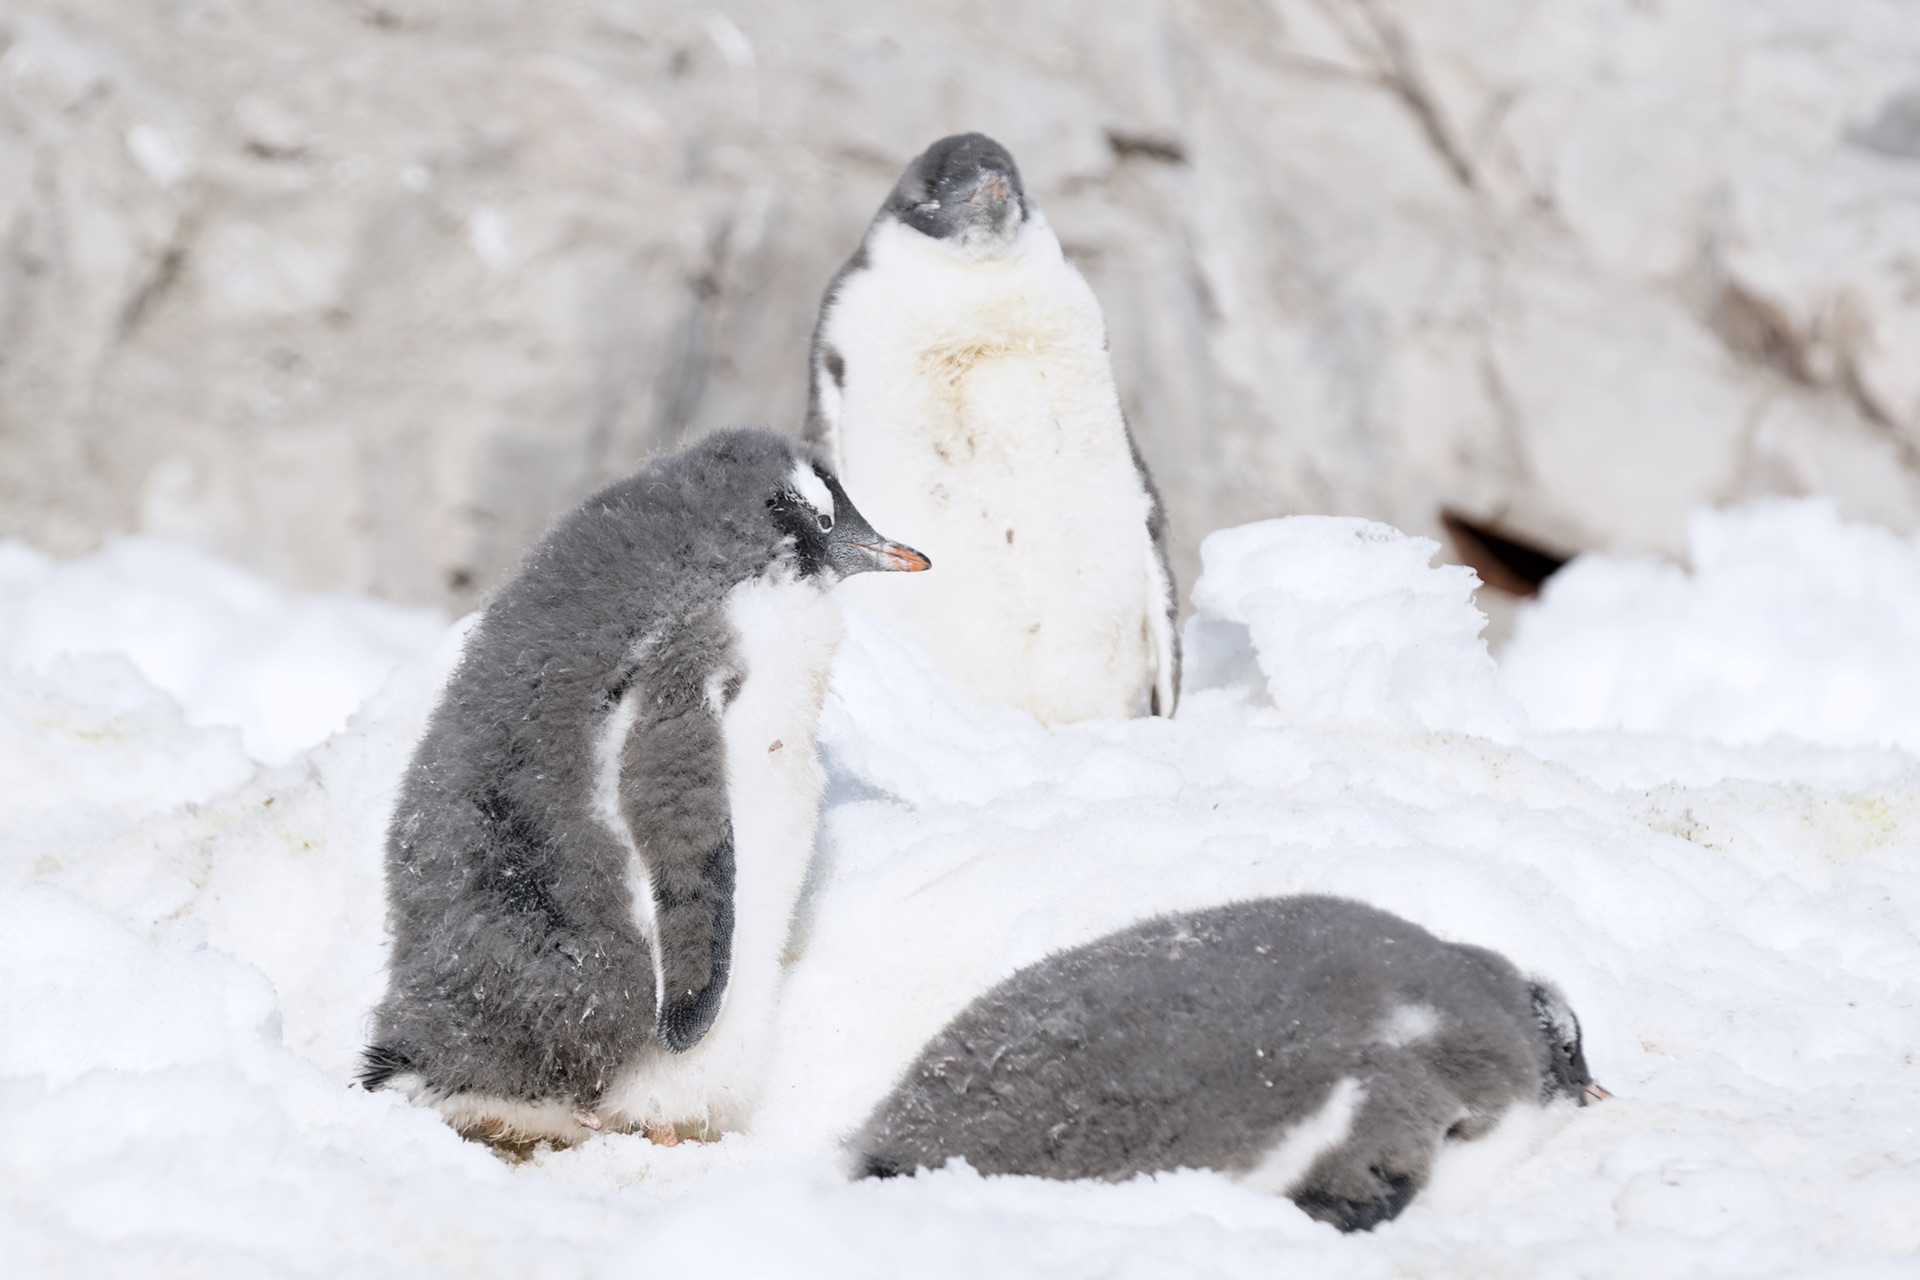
x=165, y=274
x=1146, y=147
x=1402, y=76
x=1504, y=561
x=1757, y=329
x=682, y=384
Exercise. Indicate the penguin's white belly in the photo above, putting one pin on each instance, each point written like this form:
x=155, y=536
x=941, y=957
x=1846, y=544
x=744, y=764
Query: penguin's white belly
x=786, y=632
x=1012, y=472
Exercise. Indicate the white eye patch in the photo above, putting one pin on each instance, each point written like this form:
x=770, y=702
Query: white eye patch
x=811, y=488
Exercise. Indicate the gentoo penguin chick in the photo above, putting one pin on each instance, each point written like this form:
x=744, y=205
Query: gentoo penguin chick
x=960, y=381
x=1312, y=1047
x=598, y=845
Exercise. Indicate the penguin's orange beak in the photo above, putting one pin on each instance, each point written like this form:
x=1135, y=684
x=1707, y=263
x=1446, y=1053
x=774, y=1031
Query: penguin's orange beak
x=1593, y=1093
x=894, y=557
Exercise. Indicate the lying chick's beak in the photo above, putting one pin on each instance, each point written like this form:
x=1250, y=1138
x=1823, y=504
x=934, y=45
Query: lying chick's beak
x=892, y=557
x=1593, y=1093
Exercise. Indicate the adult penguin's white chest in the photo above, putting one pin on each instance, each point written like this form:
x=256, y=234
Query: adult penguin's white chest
x=977, y=414
x=785, y=635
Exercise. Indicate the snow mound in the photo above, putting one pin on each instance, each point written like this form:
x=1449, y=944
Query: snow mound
x=184, y=977
x=1349, y=621
x=1788, y=621
x=89, y=732
x=229, y=647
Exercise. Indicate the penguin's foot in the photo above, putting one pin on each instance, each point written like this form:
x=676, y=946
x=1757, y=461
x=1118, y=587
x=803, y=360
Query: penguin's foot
x=515, y=1129
x=672, y=1135
x=510, y=1145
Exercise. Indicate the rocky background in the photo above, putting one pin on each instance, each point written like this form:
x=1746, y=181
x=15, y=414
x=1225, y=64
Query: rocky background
x=361, y=292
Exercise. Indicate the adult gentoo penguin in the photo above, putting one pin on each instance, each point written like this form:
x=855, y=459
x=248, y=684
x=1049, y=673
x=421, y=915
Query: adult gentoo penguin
x=598, y=845
x=1313, y=1047
x=960, y=379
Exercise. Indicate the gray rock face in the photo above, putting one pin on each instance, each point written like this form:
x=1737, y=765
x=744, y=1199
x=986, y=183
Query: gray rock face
x=361, y=293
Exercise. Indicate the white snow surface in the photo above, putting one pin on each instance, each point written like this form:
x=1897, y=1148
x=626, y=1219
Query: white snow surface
x=189, y=945
x=229, y=647
x=1786, y=622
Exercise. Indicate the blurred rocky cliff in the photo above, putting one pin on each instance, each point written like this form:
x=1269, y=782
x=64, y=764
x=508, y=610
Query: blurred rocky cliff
x=360, y=292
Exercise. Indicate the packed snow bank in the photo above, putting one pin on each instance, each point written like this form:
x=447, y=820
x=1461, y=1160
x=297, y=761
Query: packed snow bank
x=1786, y=621
x=231, y=648
x=80, y=736
x=1745, y=956
x=1349, y=621
x=130, y=681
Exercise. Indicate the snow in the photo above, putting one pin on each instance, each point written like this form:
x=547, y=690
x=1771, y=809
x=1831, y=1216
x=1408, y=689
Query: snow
x=1729, y=896
x=1787, y=622
x=1348, y=621
x=229, y=647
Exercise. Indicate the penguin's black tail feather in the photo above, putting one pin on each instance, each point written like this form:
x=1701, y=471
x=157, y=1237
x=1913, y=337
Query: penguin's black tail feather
x=379, y=1064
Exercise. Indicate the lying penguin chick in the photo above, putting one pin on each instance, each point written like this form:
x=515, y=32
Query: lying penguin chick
x=599, y=842
x=1313, y=1047
x=961, y=382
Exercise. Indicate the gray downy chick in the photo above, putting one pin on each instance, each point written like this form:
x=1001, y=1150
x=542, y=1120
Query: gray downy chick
x=961, y=382
x=597, y=847
x=1314, y=1047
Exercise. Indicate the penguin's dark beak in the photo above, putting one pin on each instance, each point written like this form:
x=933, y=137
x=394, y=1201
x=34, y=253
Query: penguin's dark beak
x=892, y=557
x=1593, y=1093
x=854, y=546
x=993, y=189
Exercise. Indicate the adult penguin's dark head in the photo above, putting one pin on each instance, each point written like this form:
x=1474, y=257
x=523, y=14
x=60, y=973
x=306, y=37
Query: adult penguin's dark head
x=830, y=537
x=964, y=189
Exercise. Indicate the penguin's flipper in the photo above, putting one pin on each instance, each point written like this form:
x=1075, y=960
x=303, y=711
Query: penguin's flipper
x=1388, y=1153
x=1396, y=1192
x=1163, y=594
x=822, y=426
x=827, y=380
x=673, y=795
x=1163, y=637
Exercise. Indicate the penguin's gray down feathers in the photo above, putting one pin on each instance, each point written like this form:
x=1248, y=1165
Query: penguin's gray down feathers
x=518, y=968
x=1200, y=1040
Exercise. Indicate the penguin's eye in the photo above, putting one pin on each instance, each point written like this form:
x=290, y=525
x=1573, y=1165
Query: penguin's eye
x=826, y=523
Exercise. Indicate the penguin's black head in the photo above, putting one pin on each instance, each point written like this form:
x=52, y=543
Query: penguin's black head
x=964, y=189
x=830, y=537
x=1566, y=1075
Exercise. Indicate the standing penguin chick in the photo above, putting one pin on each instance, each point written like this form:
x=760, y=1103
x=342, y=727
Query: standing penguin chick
x=960, y=377
x=599, y=842
x=1313, y=1047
